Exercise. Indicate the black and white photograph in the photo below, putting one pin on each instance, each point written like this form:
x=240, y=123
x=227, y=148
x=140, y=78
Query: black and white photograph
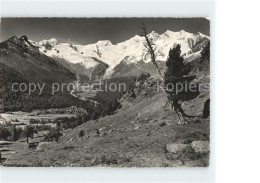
x=105, y=92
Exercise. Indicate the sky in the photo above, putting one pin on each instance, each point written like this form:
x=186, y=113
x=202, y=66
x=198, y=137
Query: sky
x=90, y=30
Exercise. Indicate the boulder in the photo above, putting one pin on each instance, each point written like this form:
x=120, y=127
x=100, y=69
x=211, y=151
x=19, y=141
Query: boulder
x=201, y=146
x=163, y=124
x=136, y=127
x=177, y=148
x=42, y=146
x=68, y=147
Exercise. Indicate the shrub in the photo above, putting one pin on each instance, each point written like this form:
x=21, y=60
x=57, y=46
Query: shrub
x=81, y=133
x=4, y=133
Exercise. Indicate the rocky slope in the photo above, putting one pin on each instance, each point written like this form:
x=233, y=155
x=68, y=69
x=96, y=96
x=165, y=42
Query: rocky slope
x=24, y=57
x=22, y=62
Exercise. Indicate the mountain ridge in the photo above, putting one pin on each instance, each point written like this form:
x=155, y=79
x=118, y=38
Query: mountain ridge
x=24, y=57
x=104, y=59
x=129, y=51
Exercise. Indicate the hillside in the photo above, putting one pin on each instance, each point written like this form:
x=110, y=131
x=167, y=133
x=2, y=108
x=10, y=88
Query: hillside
x=24, y=57
x=136, y=135
x=22, y=62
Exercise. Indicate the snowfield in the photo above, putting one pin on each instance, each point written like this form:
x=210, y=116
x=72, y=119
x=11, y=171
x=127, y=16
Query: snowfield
x=129, y=51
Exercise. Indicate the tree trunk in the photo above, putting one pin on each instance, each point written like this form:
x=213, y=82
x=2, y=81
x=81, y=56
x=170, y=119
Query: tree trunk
x=27, y=139
x=179, y=111
x=180, y=116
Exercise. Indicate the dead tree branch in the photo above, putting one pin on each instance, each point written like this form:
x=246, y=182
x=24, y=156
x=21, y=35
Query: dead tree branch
x=150, y=49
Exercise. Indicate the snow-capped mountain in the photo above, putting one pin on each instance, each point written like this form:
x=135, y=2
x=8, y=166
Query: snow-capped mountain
x=130, y=51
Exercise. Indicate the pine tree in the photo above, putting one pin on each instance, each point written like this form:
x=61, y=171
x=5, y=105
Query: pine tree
x=110, y=108
x=28, y=132
x=4, y=133
x=16, y=134
x=81, y=133
x=104, y=111
x=94, y=115
x=177, y=81
x=176, y=71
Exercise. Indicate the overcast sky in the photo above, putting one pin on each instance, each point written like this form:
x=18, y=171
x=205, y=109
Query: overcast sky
x=91, y=30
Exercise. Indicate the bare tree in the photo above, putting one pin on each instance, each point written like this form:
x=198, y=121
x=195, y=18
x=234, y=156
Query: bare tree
x=150, y=49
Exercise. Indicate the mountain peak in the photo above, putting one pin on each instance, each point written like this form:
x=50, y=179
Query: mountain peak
x=13, y=39
x=154, y=34
x=51, y=41
x=203, y=35
x=104, y=43
x=137, y=36
x=20, y=41
x=19, y=45
x=182, y=32
x=23, y=38
x=167, y=33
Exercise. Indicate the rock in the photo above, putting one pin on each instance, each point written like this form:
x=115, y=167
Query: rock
x=101, y=129
x=201, y=146
x=42, y=146
x=163, y=124
x=70, y=139
x=136, y=127
x=176, y=148
x=163, y=117
x=68, y=147
x=103, y=134
x=149, y=132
